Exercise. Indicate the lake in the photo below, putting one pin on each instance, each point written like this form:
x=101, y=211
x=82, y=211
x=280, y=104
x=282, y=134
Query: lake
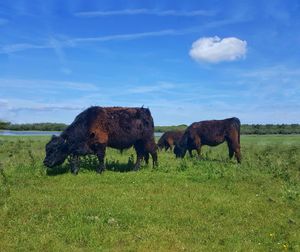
x=40, y=133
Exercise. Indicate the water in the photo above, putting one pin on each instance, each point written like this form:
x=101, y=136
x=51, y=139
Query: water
x=158, y=134
x=41, y=133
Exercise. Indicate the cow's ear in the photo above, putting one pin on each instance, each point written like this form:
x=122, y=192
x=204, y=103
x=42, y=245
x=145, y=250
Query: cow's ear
x=53, y=137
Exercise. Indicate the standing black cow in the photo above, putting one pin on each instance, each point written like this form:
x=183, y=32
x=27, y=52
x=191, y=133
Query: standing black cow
x=97, y=128
x=212, y=133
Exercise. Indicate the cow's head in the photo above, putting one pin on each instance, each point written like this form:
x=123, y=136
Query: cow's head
x=160, y=145
x=179, y=151
x=181, y=147
x=56, y=151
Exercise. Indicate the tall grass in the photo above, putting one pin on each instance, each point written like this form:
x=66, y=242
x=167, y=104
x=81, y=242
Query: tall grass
x=207, y=204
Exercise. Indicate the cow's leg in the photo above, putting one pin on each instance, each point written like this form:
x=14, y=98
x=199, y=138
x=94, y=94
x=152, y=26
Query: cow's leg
x=101, y=155
x=139, y=148
x=165, y=145
x=234, y=148
x=237, y=153
x=74, y=162
x=230, y=149
x=154, y=158
x=197, y=145
x=138, y=160
x=171, y=144
x=150, y=147
x=190, y=152
x=146, y=157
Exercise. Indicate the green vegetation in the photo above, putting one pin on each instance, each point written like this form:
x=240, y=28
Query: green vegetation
x=33, y=126
x=248, y=129
x=257, y=129
x=211, y=204
x=263, y=129
x=170, y=128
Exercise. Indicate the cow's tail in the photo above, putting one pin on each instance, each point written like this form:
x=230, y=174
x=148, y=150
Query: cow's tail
x=237, y=126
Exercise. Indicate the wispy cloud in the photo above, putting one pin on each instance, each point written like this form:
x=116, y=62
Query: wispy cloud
x=24, y=110
x=58, y=44
x=276, y=71
x=44, y=107
x=47, y=85
x=130, y=36
x=161, y=86
x=11, y=48
x=174, y=108
x=58, y=49
x=155, y=12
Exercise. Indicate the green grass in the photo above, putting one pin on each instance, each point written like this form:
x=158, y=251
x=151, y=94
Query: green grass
x=211, y=204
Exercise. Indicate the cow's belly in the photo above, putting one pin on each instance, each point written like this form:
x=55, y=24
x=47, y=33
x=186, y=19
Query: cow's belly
x=212, y=141
x=121, y=143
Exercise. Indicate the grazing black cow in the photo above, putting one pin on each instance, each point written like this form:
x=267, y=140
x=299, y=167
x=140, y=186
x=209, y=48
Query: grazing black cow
x=99, y=127
x=212, y=133
x=169, y=139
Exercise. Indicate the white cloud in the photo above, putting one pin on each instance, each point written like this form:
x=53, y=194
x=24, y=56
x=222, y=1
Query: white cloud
x=214, y=49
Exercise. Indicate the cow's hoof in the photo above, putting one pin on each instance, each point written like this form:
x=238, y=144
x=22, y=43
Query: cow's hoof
x=99, y=171
x=136, y=168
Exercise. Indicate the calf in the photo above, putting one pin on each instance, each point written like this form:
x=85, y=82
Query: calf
x=169, y=139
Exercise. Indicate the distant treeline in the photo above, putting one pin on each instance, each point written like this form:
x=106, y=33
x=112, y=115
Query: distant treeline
x=169, y=128
x=248, y=129
x=33, y=126
x=260, y=129
x=263, y=129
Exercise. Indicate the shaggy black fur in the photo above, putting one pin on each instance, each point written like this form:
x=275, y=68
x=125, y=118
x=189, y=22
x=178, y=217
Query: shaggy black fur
x=99, y=127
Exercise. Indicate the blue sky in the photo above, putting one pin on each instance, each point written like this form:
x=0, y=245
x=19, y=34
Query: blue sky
x=185, y=60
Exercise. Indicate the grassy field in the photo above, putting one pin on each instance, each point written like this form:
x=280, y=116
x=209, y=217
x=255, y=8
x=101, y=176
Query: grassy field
x=211, y=204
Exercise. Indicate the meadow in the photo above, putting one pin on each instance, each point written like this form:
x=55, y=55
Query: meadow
x=208, y=204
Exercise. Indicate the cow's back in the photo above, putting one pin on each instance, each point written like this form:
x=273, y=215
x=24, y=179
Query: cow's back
x=171, y=137
x=213, y=132
x=122, y=127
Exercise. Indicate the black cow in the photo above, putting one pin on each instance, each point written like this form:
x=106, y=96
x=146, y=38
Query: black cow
x=212, y=133
x=99, y=127
x=169, y=139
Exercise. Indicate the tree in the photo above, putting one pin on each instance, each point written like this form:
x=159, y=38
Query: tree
x=4, y=124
